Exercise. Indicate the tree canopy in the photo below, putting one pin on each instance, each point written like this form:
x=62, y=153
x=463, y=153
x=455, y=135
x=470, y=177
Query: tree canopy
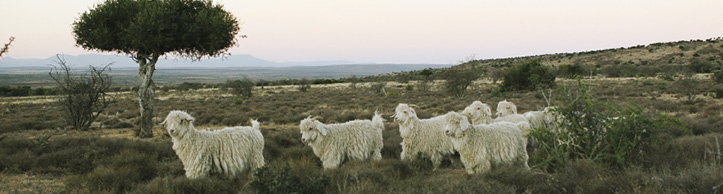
x=148, y=29
x=188, y=28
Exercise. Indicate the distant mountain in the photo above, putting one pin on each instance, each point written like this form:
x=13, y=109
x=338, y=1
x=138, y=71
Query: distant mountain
x=38, y=75
x=318, y=63
x=170, y=71
x=120, y=61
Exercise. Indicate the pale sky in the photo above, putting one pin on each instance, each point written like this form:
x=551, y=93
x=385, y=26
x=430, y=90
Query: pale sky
x=402, y=31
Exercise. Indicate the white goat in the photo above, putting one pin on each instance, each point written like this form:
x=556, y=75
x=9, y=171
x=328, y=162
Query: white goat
x=505, y=108
x=482, y=146
x=333, y=143
x=229, y=151
x=546, y=117
x=422, y=136
x=480, y=113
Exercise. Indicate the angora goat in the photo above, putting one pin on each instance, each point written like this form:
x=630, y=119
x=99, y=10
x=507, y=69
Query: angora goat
x=482, y=146
x=542, y=118
x=229, y=151
x=333, y=143
x=478, y=113
x=505, y=108
x=422, y=136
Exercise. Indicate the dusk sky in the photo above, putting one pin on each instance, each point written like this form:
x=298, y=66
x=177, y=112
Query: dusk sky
x=402, y=31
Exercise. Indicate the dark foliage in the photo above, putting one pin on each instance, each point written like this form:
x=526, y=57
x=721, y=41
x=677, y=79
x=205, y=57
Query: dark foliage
x=143, y=27
x=269, y=180
x=241, y=88
x=529, y=75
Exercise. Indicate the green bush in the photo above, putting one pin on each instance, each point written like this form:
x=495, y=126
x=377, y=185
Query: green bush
x=620, y=70
x=123, y=172
x=497, y=92
x=701, y=66
x=528, y=76
x=184, y=185
x=571, y=71
x=409, y=87
x=241, y=88
x=719, y=93
x=596, y=131
x=718, y=76
x=238, y=100
x=269, y=180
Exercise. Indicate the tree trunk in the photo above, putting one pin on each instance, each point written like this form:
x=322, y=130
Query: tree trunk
x=146, y=93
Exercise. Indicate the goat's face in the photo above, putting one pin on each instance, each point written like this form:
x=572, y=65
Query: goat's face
x=310, y=130
x=477, y=110
x=505, y=108
x=551, y=114
x=403, y=113
x=456, y=124
x=177, y=122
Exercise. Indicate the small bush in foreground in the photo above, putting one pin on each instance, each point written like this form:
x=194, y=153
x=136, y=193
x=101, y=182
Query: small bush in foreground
x=270, y=180
x=163, y=185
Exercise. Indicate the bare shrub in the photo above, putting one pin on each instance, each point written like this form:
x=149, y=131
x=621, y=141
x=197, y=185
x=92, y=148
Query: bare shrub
x=84, y=96
x=458, y=80
x=688, y=87
x=424, y=84
x=354, y=80
x=379, y=87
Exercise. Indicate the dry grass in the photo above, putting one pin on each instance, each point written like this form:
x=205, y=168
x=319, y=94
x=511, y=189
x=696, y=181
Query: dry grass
x=678, y=165
x=24, y=183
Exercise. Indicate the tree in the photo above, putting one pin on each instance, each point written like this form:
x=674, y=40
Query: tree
x=4, y=49
x=83, y=95
x=689, y=87
x=424, y=84
x=495, y=73
x=528, y=75
x=303, y=85
x=354, y=80
x=241, y=88
x=458, y=80
x=148, y=29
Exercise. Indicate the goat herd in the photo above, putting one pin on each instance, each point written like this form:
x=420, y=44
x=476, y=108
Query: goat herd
x=480, y=140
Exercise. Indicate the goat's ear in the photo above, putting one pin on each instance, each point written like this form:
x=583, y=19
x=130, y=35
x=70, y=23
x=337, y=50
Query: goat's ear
x=464, y=124
x=412, y=113
x=322, y=130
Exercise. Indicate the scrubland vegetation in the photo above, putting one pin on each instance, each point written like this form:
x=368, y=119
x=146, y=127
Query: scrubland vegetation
x=641, y=134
